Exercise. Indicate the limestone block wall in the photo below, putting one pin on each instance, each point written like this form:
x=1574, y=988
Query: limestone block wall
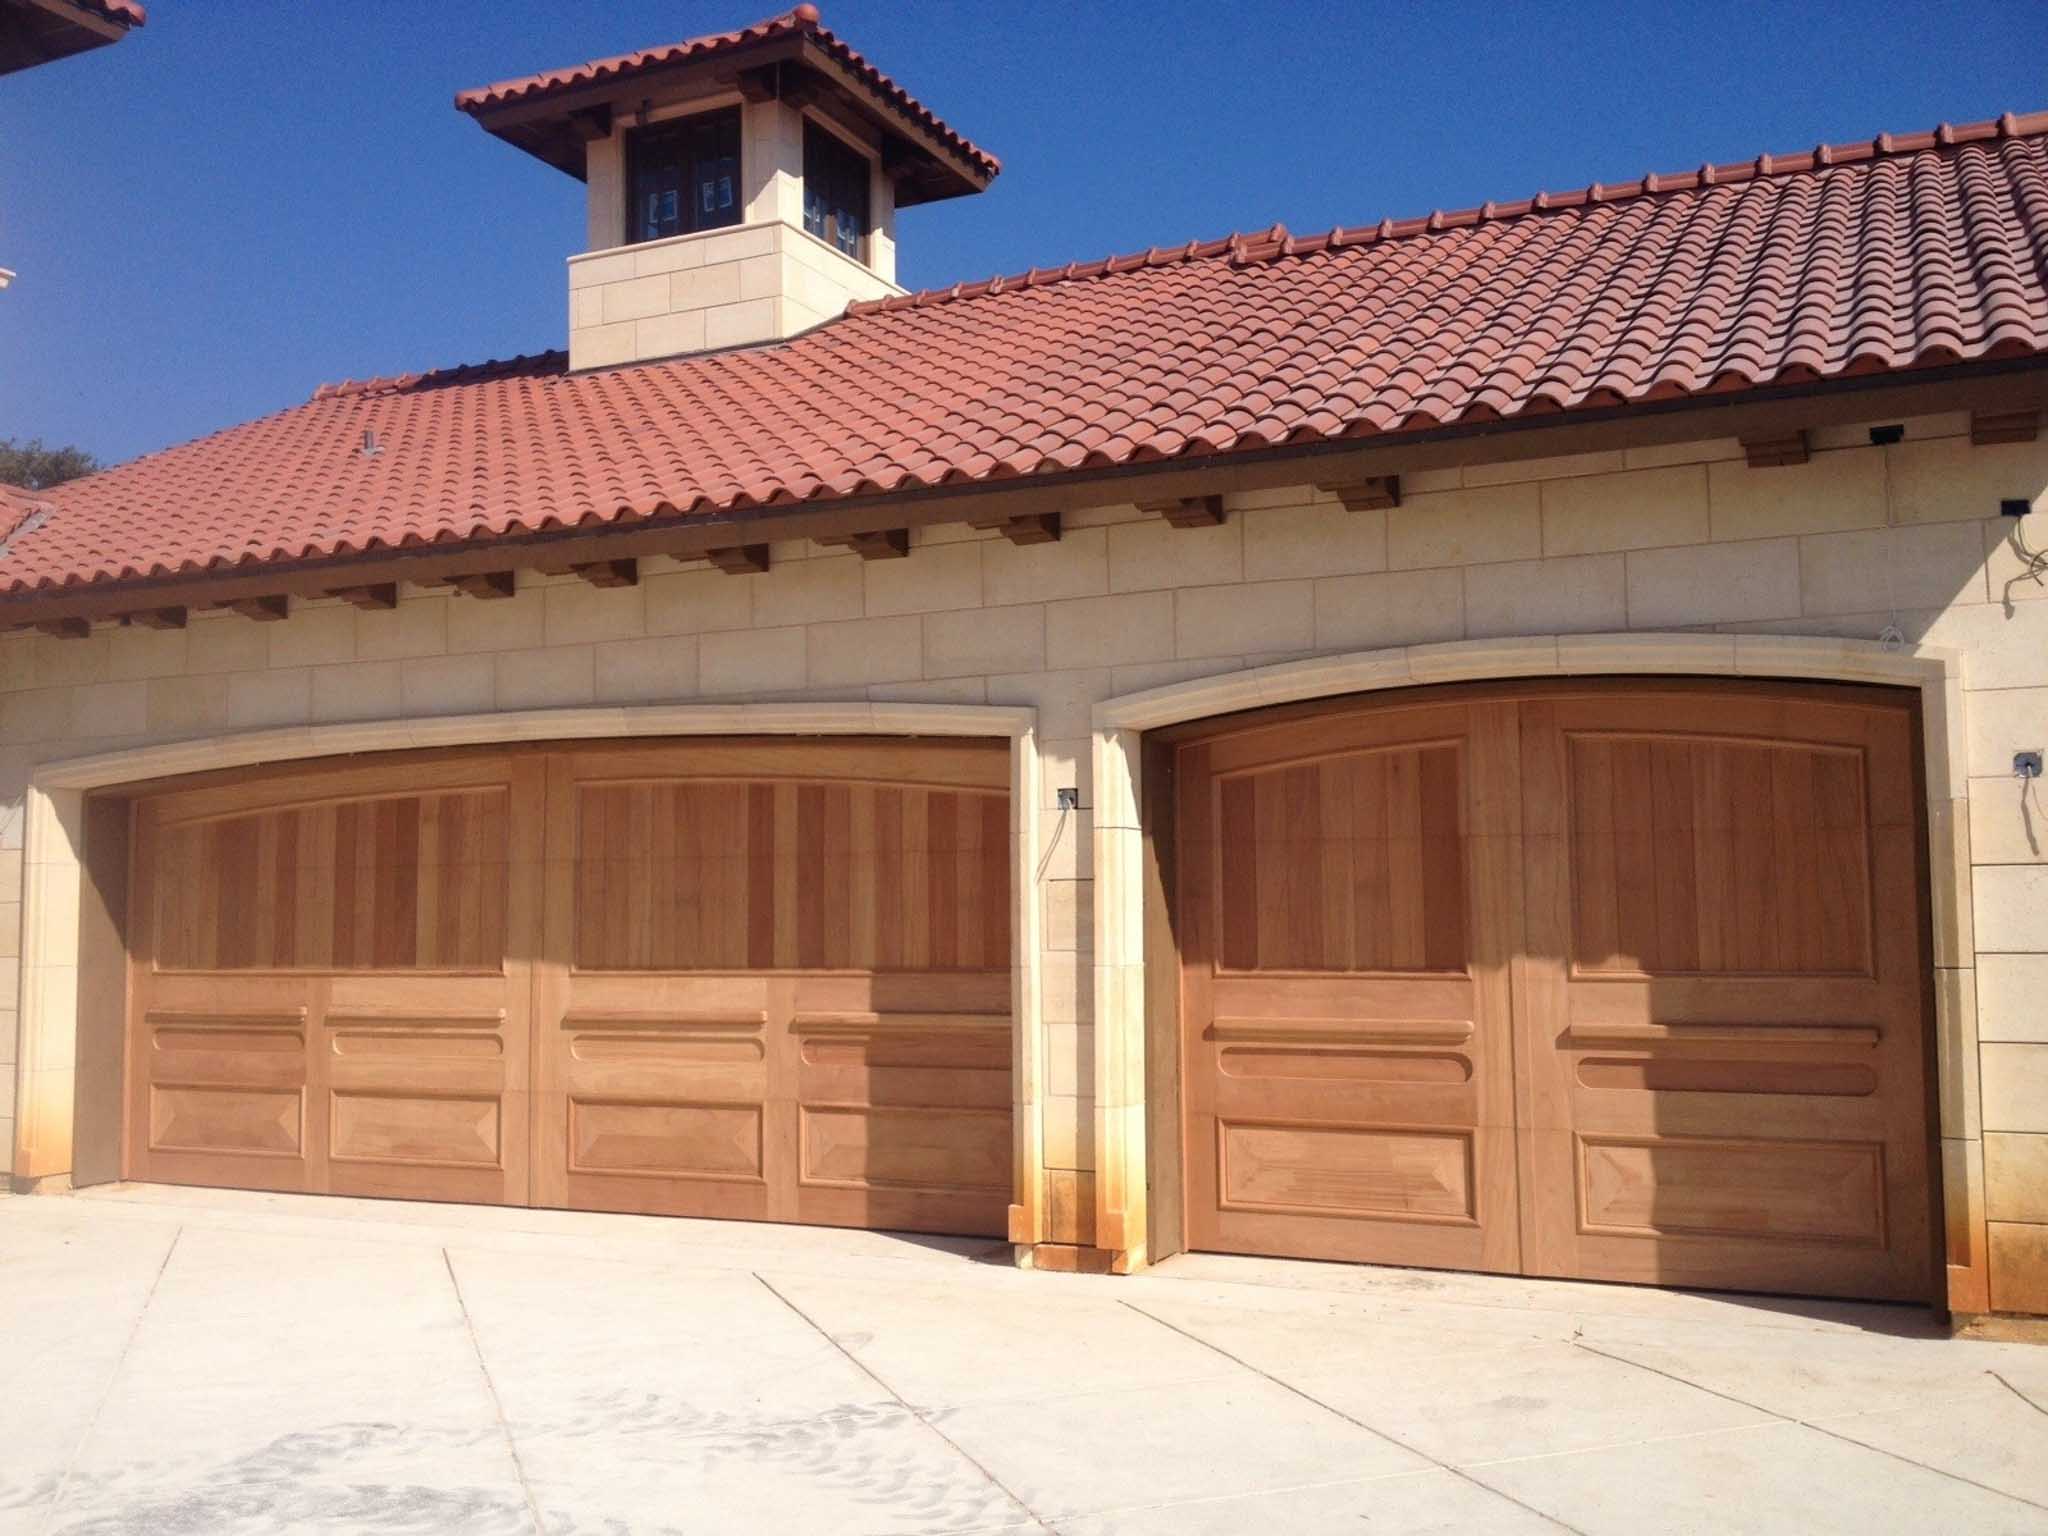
x=1858, y=541
x=719, y=288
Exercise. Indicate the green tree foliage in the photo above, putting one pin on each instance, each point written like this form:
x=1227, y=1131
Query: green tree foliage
x=35, y=467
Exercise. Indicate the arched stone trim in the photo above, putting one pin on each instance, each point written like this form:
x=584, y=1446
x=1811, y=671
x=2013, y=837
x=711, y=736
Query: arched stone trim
x=54, y=842
x=1120, y=724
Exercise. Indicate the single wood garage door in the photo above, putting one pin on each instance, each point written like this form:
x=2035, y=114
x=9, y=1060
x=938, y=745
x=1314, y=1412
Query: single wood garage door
x=1625, y=983
x=740, y=978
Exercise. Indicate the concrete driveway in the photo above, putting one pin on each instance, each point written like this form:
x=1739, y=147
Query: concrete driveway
x=206, y=1362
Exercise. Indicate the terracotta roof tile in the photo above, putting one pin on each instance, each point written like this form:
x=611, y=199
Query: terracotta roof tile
x=804, y=19
x=1890, y=255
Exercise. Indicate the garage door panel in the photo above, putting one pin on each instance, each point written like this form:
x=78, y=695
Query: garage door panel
x=1728, y=1071
x=1345, y=986
x=374, y=925
x=688, y=875
x=1715, y=855
x=741, y=937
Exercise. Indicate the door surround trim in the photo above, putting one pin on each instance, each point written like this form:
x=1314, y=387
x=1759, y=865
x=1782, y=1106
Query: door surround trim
x=1120, y=863
x=53, y=851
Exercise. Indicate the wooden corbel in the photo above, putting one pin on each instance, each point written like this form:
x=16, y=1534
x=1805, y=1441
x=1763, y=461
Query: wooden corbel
x=378, y=596
x=156, y=618
x=1375, y=493
x=1032, y=528
x=1992, y=427
x=883, y=544
x=1188, y=511
x=740, y=559
x=265, y=610
x=1777, y=452
x=484, y=584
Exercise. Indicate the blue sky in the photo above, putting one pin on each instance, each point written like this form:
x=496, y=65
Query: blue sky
x=249, y=197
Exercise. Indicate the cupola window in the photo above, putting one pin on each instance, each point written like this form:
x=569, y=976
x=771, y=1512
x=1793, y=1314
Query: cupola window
x=835, y=191
x=684, y=176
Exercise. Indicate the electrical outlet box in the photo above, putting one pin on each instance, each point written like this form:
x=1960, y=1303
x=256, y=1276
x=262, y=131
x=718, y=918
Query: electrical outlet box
x=1070, y=799
x=2026, y=765
x=2015, y=506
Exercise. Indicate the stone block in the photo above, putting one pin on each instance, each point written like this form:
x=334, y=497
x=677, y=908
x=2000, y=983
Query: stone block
x=544, y=679
x=1546, y=597
x=1398, y=608
x=646, y=671
x=1304, y=540
x=1075, y=565
x=864, y=650
x=1638, y=509
x=991, y=640
x=1237, y=620
x=936, y=577
x=1713, y=584
x=1152, y=553
x=807, y=591
x=1466, y=527
x=751, y=661
x=1830, y=492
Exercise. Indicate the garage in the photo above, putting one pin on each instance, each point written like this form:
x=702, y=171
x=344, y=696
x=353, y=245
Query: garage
x=1622, y=982
x=759, y=979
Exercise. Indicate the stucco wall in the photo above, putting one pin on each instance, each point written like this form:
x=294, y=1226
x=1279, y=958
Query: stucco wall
x=1690, y=537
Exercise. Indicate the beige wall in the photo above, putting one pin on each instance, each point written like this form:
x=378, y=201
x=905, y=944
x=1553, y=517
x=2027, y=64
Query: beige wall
x=720, y=288
x=1671, y=538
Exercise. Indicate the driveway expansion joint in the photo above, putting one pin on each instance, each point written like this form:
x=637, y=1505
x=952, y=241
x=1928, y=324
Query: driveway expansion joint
x=922, y=1416
x=1308, y=1397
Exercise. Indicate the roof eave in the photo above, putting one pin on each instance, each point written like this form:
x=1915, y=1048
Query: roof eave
x=554, y=125
x=2005, y=384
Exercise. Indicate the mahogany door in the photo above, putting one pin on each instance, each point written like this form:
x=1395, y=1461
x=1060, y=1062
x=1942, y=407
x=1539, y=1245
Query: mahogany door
x=1349, y=911
x=777, y=983
x=1625, y=982
x=762, y=979
x=330, y=982
x=1722, y=1001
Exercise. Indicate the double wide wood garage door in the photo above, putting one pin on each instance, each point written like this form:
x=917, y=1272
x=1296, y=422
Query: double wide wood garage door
x=734, y=978
x=1621, y=983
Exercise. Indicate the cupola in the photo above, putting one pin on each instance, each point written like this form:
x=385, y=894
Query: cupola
x=742, y=187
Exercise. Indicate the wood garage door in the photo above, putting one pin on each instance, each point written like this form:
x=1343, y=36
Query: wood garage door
x=762, y=979
x=1624, y=983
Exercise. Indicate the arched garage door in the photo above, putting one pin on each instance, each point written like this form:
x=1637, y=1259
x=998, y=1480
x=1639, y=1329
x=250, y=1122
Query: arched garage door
x=1616, y=982
x=764, y=979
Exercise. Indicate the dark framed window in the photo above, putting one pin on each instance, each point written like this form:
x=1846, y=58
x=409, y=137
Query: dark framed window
x=835, y=191
x=683, y=176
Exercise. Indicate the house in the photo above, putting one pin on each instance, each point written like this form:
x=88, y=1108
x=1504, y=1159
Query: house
x=1505, y=740
x=40, y=31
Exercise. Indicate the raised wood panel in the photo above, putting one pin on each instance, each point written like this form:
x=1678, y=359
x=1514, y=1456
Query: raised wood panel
x=415, y=1129
x=1807, y=1191
x=699, y=1141
x=1701, y=854
x=864, y=1147
x=192, y=1117
x=1678, y=1028
x=1346, y=1171
x=694, y=875
x=400, y=882
x=1351, y=863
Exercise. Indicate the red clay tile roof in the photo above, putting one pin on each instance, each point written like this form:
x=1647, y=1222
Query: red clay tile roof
x=804, y=20
x=1860, y=259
